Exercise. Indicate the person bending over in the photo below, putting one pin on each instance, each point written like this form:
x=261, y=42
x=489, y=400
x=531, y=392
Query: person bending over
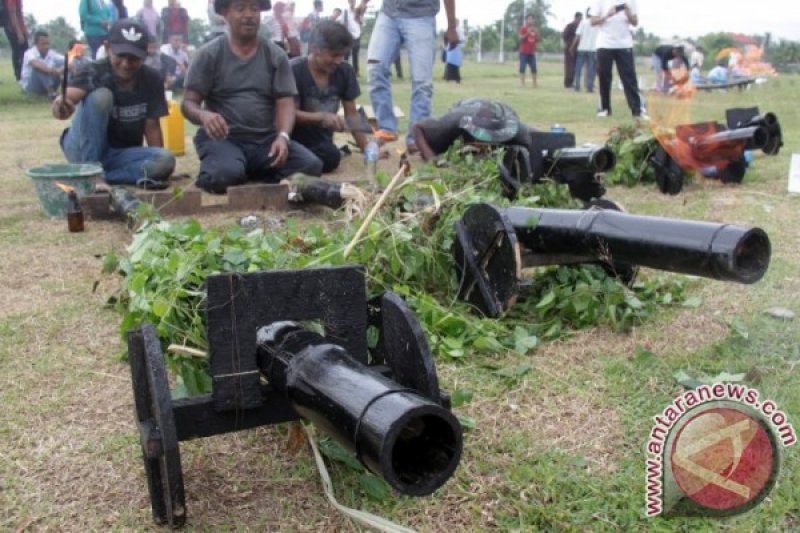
x=323, y=80
x=116, y=102
x=240, y=91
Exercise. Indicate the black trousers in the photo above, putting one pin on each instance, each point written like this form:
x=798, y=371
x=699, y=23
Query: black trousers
x=354, y=54
x=626, y=69
x=328, y=153
x=17, y=50
x=227, y=163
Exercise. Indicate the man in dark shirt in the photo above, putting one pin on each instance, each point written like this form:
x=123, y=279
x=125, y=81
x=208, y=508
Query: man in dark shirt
x=117, y=101
x=240, y=91
x=662, y=57
x=567, y=37
x=323, y=80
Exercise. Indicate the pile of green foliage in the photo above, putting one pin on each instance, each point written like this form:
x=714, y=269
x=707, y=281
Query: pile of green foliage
x=633, y=147
x=405, y=251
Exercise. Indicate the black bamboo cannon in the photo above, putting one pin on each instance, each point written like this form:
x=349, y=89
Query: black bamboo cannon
x=411, y=441
x=267, y=366
x=750, y=117
x=494, y=244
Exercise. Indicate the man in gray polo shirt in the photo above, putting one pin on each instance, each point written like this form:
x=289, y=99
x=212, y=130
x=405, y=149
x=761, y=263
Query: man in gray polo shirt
x=409, y=23
x=240, y=90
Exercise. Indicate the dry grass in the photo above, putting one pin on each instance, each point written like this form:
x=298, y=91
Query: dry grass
x=70, y=458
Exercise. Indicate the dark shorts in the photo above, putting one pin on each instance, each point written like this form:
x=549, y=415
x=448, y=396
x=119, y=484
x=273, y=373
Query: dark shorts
x=529, y=60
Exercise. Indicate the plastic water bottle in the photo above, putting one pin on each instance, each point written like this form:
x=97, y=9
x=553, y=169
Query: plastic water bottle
x=371, y=154
x=557, y=128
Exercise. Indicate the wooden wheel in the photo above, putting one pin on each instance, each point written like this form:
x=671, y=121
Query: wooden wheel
x=154, y=416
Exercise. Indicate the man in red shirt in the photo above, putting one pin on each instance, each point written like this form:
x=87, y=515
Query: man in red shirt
x=175, y=20
x=528, y=38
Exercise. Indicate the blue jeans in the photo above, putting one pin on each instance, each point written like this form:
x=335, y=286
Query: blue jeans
x=86, y=141
x=42, y=84
x=584, y=58
x=419, y=37
x=527, y=60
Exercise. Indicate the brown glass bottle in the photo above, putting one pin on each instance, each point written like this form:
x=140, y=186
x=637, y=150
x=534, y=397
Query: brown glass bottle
x=74, y=214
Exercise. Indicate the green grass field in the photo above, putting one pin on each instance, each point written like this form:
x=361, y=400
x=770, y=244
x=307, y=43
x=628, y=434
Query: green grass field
x=560, y=447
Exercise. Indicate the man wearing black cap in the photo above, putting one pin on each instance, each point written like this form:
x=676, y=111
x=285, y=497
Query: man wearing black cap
x=117, y=101
x=240, y=91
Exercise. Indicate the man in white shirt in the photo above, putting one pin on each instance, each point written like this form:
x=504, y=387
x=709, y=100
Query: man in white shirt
x=615, y=21
x=585, y=45
x=42, y=68
x=177, y=51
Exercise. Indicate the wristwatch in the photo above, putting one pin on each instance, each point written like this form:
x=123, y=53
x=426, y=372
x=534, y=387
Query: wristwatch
x=285, y=136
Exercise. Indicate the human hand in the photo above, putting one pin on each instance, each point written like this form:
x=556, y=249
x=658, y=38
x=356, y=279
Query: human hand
x=452, y=36
x=62, y=109
x=279, y=152
x=215, y=125
x=332, y=121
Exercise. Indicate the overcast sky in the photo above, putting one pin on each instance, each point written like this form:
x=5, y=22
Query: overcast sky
x=665, y=18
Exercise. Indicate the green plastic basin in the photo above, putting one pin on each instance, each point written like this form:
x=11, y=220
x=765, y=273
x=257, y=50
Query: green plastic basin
x=80, y=176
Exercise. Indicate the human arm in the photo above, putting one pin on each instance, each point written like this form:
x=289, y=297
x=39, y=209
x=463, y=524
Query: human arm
x=152, y=133
x=452, y=24
x=351, y=112
x=62, y=108
x=284, y=123
x=214, y=124
x=425, y=150
x=46, y=69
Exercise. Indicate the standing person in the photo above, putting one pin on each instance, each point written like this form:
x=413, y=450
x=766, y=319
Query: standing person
x=615, y=45
x=118, y=10
x=14, y=25
x=662, y=57
x=528, y=39
x=240, y=91
x=292, y=33
x=95, y=22
x=352, y=20
x=411, y=23
x=454, y=57
x=116, y=103
x=324, y=80
x=42, y=68
x=175, y=19
x=567, y=37
x=276, y=25
x=216, y=22
x=310, y=22
x=585, y=45
x=164, y=64
x=150, y=19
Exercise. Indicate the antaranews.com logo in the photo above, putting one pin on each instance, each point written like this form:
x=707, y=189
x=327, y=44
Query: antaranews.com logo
x=715, y=451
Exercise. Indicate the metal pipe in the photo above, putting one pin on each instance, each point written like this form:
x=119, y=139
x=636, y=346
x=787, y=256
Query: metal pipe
x=718, y=251
x=410, y=440
x=710, y=145
x=584, y=158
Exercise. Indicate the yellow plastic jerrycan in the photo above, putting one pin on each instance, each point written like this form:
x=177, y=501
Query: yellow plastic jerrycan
x=172, y=129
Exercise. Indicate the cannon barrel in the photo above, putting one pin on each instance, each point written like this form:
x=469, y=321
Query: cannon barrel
x=749, y=138
x=494, y=244
x=409, y=439
x=768, y=121
x=718, y=251
x=590, y=158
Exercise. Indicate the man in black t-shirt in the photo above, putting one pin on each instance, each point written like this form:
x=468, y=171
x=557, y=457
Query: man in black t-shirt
x=240, y=92
x=117, y=102
x=323, y=80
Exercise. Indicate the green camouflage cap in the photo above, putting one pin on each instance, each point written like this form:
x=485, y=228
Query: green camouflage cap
x=488, y=120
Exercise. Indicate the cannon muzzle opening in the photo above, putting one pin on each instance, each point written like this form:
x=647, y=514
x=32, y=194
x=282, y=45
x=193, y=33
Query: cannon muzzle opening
x=750, y=256
x=410, y=440
x=586, y=159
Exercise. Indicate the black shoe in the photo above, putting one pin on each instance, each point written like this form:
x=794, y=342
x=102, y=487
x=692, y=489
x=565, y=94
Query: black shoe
x=149, y=184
